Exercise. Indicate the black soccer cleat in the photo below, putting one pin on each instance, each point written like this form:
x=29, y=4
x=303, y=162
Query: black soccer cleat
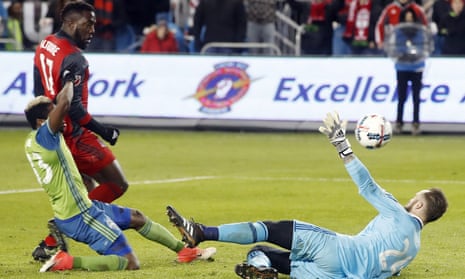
x=192, y=233
x=56, y=233
x=247, y=271
x=43, y=252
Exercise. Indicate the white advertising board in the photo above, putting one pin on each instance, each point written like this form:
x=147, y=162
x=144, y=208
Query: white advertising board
x=246, y=88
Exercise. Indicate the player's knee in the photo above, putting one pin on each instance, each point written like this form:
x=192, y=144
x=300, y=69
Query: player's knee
x=137, y=219
x=137, y=215
x=260, y=231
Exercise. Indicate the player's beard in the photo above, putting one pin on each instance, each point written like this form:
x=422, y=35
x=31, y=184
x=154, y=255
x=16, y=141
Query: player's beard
x=80, y=42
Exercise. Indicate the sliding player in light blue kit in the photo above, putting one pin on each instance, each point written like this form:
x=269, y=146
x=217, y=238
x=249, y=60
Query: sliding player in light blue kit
x=382, y=249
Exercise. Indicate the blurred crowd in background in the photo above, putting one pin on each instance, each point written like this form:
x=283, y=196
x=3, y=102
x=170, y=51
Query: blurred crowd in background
x=255, y=27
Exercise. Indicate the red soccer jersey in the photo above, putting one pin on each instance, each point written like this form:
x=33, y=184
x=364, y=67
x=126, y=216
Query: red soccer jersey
x=391, y=16
x=54, y=55
x=154, y=45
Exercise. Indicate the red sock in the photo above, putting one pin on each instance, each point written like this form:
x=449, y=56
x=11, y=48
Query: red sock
x=106, y=192
x=50, y=241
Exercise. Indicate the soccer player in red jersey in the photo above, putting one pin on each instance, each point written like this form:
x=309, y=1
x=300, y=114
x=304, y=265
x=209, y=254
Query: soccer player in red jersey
x=57, y=56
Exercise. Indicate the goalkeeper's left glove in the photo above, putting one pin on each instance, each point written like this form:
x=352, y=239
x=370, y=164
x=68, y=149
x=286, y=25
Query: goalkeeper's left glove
x=335, y=130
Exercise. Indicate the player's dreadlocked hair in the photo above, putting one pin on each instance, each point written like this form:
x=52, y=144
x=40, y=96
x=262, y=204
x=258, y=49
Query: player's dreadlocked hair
x=437, y=204
x=75, y=7
x=37, y=109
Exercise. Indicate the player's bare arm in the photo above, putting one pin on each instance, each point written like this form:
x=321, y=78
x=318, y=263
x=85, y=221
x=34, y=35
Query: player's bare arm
x=58, y=113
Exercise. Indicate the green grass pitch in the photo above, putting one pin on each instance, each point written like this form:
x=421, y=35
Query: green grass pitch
x=222, y=177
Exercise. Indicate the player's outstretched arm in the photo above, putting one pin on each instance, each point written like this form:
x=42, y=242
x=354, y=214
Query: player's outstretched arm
x=57, y=115
x=335, y=130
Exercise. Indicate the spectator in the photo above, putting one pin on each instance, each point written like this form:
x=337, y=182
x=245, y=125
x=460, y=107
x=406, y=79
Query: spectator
x=3, y=12
x=15, y=26
x=175, y=29
x=261, y=18
x=34, y=27
x=53, y=12
x=340, y=45
x=159, y=39
x=112, y=32
x=390, y=16
x=184, y=11
x=359, y=30
x=454, y=41
x=440, y=13
x=219, y=21
x=3, y=23
x=318, y=36
x=410, y=47
x=427, y=6
x=299, y=11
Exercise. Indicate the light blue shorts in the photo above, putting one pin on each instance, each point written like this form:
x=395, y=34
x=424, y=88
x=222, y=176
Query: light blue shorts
x=314, y=253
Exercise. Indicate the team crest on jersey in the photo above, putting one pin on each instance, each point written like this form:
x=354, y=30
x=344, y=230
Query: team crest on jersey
x=77, y=80
x=223, y=87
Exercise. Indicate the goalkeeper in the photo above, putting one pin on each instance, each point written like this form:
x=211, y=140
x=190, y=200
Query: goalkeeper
x=383, y=248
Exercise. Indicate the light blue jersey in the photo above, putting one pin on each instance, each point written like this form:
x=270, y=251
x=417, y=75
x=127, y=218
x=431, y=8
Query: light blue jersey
x=386, y=245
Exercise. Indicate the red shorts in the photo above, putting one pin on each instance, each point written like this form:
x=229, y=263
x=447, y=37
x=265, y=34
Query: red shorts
x=89, y=152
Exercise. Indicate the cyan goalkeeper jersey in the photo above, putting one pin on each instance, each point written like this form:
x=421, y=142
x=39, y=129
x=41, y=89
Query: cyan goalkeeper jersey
x=386, y=245
x=56, y=172
x=389, y=242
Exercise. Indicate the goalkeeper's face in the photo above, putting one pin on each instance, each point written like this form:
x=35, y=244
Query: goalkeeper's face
x=417, y=202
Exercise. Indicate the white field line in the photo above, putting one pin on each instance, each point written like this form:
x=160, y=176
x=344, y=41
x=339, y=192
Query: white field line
x=144, y=182
x=172, y=180
x=322, y=179
x=310, y=179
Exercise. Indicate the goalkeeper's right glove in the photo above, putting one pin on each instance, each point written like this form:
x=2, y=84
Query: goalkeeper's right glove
x=335, y=130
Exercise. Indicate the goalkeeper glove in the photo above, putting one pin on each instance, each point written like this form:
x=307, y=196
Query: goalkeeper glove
x=335, y=130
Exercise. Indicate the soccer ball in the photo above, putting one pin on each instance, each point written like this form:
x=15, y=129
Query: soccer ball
x=373, y=131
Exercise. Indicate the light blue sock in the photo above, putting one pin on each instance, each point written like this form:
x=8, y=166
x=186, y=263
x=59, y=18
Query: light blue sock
x=243, y=233
x=258, y=259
